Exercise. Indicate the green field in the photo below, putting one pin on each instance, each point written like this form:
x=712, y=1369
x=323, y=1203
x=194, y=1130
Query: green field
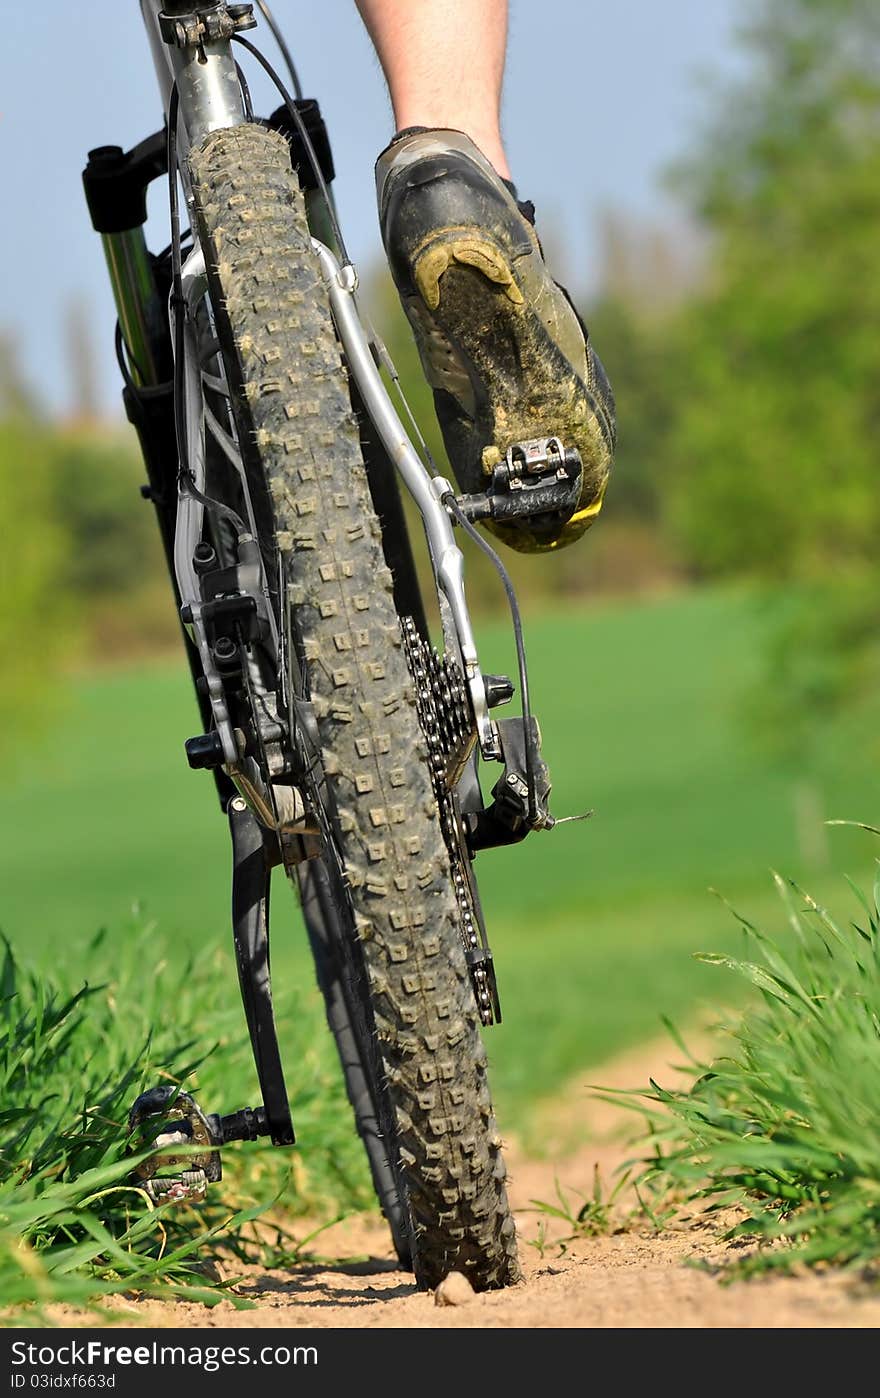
x=592, y=925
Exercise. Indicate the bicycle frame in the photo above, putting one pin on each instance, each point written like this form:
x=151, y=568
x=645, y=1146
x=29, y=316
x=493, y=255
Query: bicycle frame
x=210, y=98
x=207, y=79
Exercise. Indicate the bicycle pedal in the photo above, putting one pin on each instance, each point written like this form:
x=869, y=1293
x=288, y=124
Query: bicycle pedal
x=537, y=479
x=172, y=1122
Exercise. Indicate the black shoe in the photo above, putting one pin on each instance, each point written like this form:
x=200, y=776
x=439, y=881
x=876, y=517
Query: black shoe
x=507, y=355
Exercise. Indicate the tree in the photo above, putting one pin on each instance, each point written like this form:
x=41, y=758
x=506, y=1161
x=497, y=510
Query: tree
x=777, y=432
x=36, y=616
x=777, y=429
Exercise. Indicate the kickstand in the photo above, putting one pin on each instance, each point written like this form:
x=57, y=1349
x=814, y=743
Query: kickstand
x=251, y=872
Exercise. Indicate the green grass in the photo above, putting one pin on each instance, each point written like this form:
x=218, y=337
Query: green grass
x=592, y=924
x=594, y=927
x=74, y=1225
x=784, y=1122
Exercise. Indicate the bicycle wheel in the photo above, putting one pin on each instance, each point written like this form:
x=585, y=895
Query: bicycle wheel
x=395, y=927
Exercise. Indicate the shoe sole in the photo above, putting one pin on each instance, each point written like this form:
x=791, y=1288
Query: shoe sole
x=523, y=386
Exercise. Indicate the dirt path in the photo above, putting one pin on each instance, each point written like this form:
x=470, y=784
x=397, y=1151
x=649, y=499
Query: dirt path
x=633, y=1279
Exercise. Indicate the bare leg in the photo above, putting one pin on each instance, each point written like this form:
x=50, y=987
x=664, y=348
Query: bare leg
x=444, y=64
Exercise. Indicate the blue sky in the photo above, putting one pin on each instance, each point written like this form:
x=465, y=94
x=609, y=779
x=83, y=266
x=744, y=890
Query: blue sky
x=600, y=99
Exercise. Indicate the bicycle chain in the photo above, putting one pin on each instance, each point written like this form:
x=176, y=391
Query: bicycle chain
x=446, y=721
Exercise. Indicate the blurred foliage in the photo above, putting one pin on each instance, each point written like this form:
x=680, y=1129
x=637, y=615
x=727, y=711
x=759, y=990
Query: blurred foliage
x=113, y=541
x=113, y=565
x=80, y=568
x=35, y=618
x=774, y=441
x=818, y=687
x=747, y=374
x=777, y=432
x=635, y=349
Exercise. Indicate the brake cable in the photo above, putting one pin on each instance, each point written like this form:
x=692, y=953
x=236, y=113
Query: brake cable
x=473, y=533
x=306, y=139
x=285, y=51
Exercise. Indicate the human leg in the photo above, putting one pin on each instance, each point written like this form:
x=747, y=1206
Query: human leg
x=506, y=353
x=444, y=64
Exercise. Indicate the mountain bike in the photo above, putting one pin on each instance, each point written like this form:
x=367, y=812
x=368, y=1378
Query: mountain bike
x=345, y=747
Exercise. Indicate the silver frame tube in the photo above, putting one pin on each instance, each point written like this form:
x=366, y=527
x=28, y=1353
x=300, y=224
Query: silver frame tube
x=190, y=512
x=210, y=95
x=446, y=557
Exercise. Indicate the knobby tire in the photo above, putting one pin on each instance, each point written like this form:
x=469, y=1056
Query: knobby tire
x=401, y=940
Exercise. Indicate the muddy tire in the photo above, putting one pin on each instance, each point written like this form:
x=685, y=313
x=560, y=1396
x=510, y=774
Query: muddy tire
x=397, y=934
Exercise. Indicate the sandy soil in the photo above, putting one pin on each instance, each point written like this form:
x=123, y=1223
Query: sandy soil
x=637, y=1278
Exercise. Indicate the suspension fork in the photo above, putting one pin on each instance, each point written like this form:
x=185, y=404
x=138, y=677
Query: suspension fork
x=116, y=184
